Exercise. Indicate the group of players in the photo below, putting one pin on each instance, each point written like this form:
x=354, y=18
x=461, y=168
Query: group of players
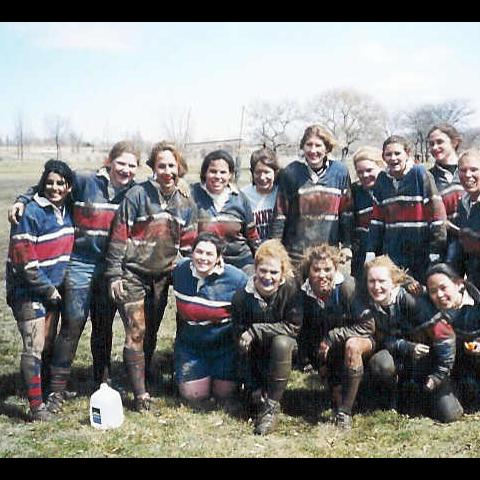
x=258, y=274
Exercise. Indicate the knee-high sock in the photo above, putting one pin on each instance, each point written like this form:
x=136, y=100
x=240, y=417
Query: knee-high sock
x=135, y=364
x=351, y=382
x=30, y=367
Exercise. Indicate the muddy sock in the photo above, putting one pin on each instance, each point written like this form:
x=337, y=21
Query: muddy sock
x=351, y=382
x=135, y=365
x=31, y=367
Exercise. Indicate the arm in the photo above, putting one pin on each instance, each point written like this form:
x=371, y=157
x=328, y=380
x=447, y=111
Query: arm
x=280, y=210
x=189, y=231
x=376, y=230
x=117, y=247
x=436, y=216
x=15, y=212
x=24, y=257
x=345, y=215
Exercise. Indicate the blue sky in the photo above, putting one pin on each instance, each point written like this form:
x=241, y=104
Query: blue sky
x=112, y=78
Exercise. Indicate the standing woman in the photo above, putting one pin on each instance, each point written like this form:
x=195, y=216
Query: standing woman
x=205, y=353
x=368, y=163
x=267, y=315
x=314, y=202
x=464, y=251
x=262, y=193
x=39, y=250
x=408, y=218
x=444, y=141
x=225, y=211
x=152, y=224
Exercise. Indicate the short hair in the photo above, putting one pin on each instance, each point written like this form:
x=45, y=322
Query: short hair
x=450, y=131
x=444, y=269
x=268, y=157
x=212, y=238
x=319, y=252
x=216, y=155
x=55, y=166
x=163, y=146
x=275, y=249
x=397, y=139
x=320, y=132
x=471, y=152
x=399, y=275
x=372, y=154
x=124, y=146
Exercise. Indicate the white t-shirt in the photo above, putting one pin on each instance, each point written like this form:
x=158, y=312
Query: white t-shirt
x=262, y=207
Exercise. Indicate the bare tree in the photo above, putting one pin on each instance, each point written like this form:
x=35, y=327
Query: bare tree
x=351, y=116
x=471, y=138
x=57, y=128
x=20, y=134
x=75, y=141
x=178, y=128
x=418, y=121
x=271, y=124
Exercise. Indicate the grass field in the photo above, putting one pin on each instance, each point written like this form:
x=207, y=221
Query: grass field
x=173, y=430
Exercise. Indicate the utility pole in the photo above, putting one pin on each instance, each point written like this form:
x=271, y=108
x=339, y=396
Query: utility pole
x=238, y=161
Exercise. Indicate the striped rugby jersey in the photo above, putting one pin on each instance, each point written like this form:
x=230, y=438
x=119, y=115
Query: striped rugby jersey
x=39, y=250
x=313, y=209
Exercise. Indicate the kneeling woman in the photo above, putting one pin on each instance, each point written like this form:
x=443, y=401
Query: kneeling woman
x=267, y=315
x=205, y=349
x=456, y=302
x=39, y=251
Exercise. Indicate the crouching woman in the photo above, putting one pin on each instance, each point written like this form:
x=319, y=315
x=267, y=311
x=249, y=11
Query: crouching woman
x=205, y=353
x=267, y=316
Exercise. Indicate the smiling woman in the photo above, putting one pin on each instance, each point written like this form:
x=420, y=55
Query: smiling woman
x=39, y=251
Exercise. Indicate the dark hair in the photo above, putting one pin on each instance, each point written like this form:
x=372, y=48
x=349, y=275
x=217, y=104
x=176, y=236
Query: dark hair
x=450, y=131
x=212, y=238
x=216, y=155
x=397, y=139
x=161, y=147
x=55, y=166
x=268, y=157
x=444, y=269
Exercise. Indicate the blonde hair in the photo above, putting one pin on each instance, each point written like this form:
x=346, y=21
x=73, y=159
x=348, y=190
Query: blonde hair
x=471, y=152
x=399, y=275
x=372, y=154
x=320, y=132
x=275, y=249
x=319, y=252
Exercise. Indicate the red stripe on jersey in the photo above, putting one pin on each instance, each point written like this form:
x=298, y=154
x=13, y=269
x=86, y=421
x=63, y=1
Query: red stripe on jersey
x=441, y=330
x=404, y=212
x=450, y=200
x=25, y=251
x=377, y=213
x=200, y=313
x=319, y=203
x=151, y=230
x=363, y=219
x=222, y=229
x=470, y=241
x=92, y=218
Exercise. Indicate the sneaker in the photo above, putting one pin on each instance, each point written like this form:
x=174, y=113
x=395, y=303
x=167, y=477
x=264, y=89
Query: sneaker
x=343, y=420
x=267, y=418
x=41, y=413
x=142, y=403
x=55, y=401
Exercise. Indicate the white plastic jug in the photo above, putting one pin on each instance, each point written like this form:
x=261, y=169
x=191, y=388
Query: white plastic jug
x=106, y=409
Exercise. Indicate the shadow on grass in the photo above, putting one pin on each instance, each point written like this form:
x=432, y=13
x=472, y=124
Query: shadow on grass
x=160, y=384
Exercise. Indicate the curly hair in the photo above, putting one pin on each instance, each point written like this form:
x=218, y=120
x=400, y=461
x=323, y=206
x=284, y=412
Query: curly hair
x=319, y=252
x=275, y=249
